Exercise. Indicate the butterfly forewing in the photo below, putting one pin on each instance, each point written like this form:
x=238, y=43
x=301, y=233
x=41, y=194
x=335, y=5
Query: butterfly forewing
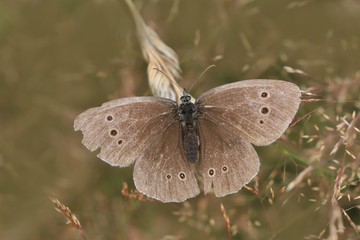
x=163, y=172
x=123, y=128
x=227, y=162
x=257, y=110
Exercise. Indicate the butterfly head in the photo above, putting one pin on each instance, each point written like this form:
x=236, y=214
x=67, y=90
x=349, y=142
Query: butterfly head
x=185, y=98
x=186, y=110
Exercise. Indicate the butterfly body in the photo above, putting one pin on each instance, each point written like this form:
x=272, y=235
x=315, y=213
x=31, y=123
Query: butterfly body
x=163, y=138
x=188, y=114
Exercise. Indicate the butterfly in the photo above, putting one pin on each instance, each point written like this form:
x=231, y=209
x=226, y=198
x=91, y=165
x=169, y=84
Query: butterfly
x=173, y=145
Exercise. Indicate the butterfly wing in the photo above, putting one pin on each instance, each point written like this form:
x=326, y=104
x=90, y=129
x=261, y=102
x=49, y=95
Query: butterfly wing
x=123, y=127
x=164, y=172
x=227, y=162
x=257, y=110
x=141, y=129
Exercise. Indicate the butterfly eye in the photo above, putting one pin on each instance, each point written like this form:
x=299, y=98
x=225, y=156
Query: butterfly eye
x=264, y=94
x=261, y=122
x=264, y=110
x=113, y=132
x=211, y=172
x=109, y=118
x=182, y=176
x=120, y=141
x=168, y=176
x=224, y=169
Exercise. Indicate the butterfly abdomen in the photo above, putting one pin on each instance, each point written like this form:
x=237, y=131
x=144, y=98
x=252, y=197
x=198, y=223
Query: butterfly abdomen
x=191, y=143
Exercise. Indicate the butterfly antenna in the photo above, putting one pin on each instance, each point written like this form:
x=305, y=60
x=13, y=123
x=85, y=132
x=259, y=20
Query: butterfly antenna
x=174, y=83
x=201, y=75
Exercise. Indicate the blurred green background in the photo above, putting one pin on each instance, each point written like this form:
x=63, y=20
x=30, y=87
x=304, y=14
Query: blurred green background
x=59, y=58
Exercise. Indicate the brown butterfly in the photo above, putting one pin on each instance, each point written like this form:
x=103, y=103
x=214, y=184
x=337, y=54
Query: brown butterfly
x=165, y=139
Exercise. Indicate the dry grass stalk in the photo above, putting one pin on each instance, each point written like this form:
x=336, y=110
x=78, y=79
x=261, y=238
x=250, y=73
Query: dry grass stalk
x=336, y=224
x=350, y=221
x=347, y=134
x=296, y=120
x=70, y=217
x=310, y=100
x=227, y=221
x=350, y=134
x=295, y=71
x=133, y=194
x=337, y=186
x=252, y=190
x=281, y=191
x=158, y=55
x=299, y=178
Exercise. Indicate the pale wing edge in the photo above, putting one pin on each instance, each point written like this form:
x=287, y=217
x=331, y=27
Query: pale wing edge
x=81, y=118
x=248, y=83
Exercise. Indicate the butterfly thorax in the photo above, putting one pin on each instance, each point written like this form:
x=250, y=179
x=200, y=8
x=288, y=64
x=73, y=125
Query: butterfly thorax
x=187, y=115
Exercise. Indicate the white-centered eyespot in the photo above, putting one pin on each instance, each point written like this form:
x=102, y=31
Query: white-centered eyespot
x=264, y=94
x=211, y=172
x=182, y=176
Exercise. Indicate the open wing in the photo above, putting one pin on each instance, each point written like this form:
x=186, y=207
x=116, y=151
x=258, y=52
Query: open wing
x=163, y=171
x=258, y=110
x=123, y=128
x=142, y=129
x=227, y=162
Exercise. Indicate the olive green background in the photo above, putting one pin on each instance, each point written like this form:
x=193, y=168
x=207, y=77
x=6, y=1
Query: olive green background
x=58, y=58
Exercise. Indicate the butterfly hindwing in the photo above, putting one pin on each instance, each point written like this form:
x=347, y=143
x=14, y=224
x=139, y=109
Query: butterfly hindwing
x=163, y=172
x=227, y=162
